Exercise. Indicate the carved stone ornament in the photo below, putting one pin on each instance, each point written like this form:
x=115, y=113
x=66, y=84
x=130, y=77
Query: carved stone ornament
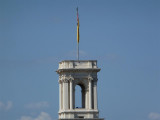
x=90, y=78
x=70, y=78
x=87, y=89
x=65, y=80
x=60, y=81
x=60, y=77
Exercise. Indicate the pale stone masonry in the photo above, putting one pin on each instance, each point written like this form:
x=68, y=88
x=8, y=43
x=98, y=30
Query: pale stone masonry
x=84, y=74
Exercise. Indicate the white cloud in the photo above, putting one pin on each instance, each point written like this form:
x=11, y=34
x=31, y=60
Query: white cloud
x=9, y=105
x=26, y=118
x=154, y=116
x=42, y=116
x=37, y=105
x=6, y=106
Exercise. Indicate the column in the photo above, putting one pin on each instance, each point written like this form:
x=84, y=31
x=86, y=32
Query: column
x=86, y=98
x=95, y=95
x=60, y=99
x=71, y=95
x=83, y=98
x=90, y=94
x=65, y=95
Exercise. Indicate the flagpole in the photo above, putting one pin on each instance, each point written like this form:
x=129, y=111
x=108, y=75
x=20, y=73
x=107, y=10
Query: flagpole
x=77, y=35
x=78, y=51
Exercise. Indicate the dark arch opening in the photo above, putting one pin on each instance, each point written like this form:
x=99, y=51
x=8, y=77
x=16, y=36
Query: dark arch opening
x=79, y=96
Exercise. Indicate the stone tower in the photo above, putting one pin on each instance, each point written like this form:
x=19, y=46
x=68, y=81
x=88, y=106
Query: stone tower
x=84, y=74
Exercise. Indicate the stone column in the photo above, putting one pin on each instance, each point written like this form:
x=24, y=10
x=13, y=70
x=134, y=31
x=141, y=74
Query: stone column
x=83, y=98
x=65, y=94
x=86, y=98
x=60, y=99
x=71, y=91
x=95, y=95
x=71, y=95
x=90, y=91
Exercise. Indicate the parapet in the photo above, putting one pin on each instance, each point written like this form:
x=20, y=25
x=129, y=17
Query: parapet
x=78, y=64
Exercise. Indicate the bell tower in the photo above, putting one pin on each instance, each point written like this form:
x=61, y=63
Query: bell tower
x=84, y=74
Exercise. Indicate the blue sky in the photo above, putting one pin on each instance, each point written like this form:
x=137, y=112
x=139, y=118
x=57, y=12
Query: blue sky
x=124, y=36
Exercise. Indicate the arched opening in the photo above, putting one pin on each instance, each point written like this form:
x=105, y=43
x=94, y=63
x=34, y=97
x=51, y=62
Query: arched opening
x=79, y=96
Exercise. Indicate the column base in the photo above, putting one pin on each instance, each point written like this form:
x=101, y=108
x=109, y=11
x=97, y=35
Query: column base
x=79, y=114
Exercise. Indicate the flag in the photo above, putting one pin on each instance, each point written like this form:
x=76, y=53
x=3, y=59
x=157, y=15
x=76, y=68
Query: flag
x=77, y=26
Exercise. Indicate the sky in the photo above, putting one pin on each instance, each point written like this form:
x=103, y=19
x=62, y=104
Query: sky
x=122, y=35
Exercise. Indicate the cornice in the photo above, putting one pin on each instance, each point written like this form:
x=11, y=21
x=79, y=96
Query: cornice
x=78, y=70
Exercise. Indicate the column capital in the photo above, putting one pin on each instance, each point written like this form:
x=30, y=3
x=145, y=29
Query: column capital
x=60, y=81
x=87, y=90
x=90, y=78
x=70, y=78
x=65, y=80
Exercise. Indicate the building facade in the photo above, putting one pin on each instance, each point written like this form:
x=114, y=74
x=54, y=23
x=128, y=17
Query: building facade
x=84, y=74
